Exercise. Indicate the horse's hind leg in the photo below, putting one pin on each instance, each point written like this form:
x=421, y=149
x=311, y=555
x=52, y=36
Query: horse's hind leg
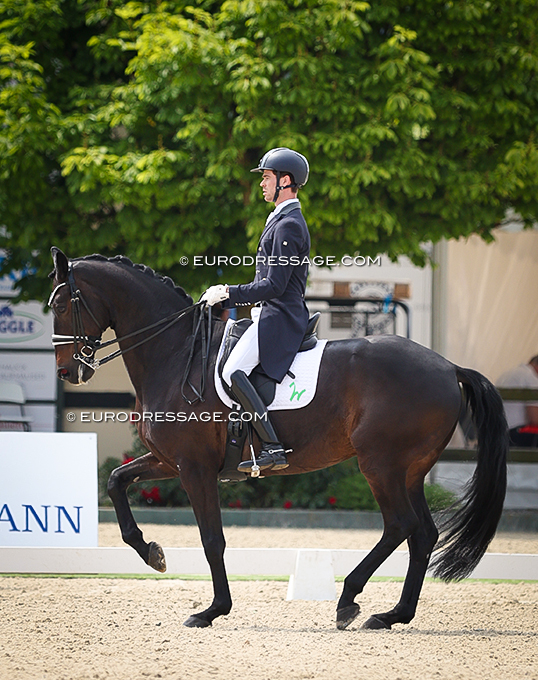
x=138, y=470
x=400, y=522
x=421, y=544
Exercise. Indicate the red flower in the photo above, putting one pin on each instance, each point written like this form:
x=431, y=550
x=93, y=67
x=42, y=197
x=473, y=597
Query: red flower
x=332, y=500
x=151, y=496
x=235, y=504
x=287, y=505
x=126, y=459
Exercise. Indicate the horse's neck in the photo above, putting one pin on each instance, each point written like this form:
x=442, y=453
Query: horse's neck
x=135, y=309
x=156, y=363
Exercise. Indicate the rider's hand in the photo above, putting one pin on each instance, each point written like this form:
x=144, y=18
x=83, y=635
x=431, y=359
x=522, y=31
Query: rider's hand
x=215, y=294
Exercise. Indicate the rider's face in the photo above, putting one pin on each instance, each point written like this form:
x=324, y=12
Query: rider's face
x=268, y=185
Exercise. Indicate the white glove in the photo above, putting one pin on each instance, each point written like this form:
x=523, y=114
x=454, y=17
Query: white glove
x=215, y=294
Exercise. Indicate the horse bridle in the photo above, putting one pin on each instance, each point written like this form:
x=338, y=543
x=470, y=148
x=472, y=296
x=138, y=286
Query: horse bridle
x=91, y=343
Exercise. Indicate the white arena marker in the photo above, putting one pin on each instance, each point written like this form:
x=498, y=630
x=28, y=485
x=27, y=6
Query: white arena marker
x=314, y=576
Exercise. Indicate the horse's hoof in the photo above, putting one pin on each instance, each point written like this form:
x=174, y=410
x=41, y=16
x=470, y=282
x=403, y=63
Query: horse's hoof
x=156, y=558
x=374, y=623
x=195, y=622
x=347, y=615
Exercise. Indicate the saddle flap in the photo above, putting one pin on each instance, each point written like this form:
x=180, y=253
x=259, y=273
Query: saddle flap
x=236, y=331
x=263, y=384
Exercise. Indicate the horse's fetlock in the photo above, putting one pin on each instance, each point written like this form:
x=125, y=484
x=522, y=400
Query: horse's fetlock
x=132, y=536
x=402, y=613
x=225, y=608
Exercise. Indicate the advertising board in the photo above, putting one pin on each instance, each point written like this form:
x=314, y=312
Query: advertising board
x=48, y=489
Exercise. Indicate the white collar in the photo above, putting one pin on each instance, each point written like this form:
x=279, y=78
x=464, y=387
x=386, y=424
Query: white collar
x=282, y=205
x=279, y=207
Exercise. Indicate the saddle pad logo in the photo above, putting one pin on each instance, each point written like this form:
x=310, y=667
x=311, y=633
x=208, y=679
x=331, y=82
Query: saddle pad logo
x=295, y=392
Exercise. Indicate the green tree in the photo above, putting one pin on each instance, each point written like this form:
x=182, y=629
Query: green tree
x=130, y=128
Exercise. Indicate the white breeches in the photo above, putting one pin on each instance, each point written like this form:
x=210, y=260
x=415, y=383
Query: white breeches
x=245, y=356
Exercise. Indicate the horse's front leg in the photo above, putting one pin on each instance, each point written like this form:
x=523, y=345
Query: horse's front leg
x=144, y=468
x=201, y=486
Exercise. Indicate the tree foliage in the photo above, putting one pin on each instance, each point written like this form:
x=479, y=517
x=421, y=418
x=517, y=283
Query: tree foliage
x=131, y=127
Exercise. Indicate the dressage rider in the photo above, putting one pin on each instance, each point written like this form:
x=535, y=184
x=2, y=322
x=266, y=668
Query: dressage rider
x=280, y=316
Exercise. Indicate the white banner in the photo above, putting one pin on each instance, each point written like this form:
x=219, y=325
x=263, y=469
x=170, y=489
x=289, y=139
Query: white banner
x=35, y=371
x=48, y=489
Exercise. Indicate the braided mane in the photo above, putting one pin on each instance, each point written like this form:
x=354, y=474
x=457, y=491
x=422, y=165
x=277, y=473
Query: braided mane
x=148, y=271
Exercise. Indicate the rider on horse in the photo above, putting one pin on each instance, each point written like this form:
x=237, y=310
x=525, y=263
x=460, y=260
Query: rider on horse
x=280, y=316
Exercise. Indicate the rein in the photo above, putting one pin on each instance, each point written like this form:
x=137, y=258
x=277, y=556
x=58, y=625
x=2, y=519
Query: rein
x=90, y=343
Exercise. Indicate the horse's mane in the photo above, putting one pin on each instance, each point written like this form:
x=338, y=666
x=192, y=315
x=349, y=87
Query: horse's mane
x=148, y=271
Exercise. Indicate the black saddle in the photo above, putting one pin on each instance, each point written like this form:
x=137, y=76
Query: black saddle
x=264, y=385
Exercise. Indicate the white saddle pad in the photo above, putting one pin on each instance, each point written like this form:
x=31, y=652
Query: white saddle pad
x=291, y=393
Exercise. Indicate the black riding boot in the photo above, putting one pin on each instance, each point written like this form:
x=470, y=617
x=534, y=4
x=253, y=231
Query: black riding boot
x=272, y=455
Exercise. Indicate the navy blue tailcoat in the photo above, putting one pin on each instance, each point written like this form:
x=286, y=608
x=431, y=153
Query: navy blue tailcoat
x=279, y=283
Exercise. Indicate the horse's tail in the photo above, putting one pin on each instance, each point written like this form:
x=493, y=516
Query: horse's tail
x=470, y=529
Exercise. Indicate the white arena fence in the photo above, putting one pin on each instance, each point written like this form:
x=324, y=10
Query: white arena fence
x=312, y=572
x=28, y=510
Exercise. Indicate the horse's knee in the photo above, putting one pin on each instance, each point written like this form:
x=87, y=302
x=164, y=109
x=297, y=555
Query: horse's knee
x=115, y=484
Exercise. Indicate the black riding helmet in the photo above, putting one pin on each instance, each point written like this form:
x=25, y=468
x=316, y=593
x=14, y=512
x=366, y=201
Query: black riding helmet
x=284, y=161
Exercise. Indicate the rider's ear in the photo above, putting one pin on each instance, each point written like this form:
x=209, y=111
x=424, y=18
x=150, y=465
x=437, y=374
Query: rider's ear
x=61, y=265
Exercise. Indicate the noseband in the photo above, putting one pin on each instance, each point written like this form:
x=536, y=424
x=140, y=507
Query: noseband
x=91, y=343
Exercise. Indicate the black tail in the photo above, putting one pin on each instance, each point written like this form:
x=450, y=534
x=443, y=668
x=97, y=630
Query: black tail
x=470, y=529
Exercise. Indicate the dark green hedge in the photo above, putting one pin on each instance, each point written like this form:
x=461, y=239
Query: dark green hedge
x=341, y=486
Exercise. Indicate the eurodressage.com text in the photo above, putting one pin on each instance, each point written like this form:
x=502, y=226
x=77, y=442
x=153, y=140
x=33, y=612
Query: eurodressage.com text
x=162, y=417
x=281, y=261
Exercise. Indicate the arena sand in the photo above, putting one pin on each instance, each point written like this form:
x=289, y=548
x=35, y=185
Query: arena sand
x=127, y=629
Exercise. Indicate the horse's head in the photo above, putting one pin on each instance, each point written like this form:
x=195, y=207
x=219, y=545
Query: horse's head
x=76, y=326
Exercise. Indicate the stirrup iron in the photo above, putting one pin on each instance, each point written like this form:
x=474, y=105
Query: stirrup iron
x=255, y=469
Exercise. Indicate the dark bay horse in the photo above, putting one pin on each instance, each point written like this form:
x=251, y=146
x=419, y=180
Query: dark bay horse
x=389, y=401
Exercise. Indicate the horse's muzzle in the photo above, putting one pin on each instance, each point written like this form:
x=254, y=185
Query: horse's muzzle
x=77, y=375
x=63, y=373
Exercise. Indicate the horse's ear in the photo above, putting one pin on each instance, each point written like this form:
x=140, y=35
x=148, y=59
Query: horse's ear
x=61, y=265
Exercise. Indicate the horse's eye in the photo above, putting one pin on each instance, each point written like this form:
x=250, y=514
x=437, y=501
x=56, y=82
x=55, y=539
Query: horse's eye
x=61, y=309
